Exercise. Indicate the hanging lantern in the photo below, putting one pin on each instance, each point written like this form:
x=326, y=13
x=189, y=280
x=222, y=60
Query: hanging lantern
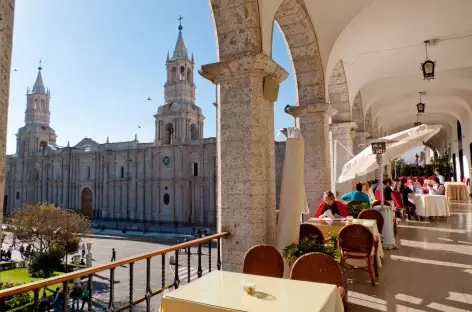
x=420, y=107
x=428, y=67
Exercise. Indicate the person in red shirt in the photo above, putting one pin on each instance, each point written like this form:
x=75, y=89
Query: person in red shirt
x=330, y=203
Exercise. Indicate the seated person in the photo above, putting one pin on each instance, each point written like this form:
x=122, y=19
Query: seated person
x=368, y=190
x=387, y=189
x=356, y=195
x=438, y=187
x=329, y=203
x=407, y=203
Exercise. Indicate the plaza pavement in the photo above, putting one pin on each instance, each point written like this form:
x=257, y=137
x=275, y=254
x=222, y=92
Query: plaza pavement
x=101, y=251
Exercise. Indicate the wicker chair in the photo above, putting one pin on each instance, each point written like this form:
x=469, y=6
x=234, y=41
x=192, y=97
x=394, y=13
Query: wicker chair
x=320, y=268
x=373, y=215
x=263, y=260
x=357, y=242
x=307, y=230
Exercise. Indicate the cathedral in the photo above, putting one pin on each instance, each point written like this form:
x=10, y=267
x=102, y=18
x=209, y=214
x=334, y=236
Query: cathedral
x=128, y=184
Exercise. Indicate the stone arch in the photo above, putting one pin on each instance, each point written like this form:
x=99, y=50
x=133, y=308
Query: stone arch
x=193, y=132
x=357, y=113
x=375, y=129
x=86, y=200
x=300, y=37
x=236, y=40
x=432, y=148
x=338, y=93
x=168, y=133
x=42, y=146
x=189, y=75
x=182, y=73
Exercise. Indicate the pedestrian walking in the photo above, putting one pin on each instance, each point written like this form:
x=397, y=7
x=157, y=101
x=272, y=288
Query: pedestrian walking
x=85, y=297
x=76, y=295
x=57, y=300
x=113, y=255
x=83, y=250
x=44, y=303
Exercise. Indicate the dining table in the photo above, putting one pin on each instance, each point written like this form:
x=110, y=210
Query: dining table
x=456, y=191
x=228, y=291
x=431, y=205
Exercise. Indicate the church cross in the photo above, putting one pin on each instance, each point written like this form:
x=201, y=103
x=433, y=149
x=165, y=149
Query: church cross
x=180, y=20
x=40, y=63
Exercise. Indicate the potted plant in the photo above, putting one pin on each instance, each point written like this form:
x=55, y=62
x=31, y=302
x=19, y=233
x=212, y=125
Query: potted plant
x=309, y=244
x=355, y=210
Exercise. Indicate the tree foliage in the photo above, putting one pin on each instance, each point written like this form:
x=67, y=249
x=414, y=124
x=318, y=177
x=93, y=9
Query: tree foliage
x=44, y=225
x=442, y=163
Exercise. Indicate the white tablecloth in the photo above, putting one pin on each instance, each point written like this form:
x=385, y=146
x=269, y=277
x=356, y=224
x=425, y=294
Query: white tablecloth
x=222, y=291
x=431, y=205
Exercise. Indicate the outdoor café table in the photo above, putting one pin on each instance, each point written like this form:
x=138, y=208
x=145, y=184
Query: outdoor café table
x=457, y=191
x=223, y=291
x=431, y=205
x=336, y=226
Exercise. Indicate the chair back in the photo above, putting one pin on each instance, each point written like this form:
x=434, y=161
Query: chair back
x=397, y=199
x=263, y=260
x=317, y=267
x=377, y=195
x=307, y=230
x=373, y=214
x=356, y=238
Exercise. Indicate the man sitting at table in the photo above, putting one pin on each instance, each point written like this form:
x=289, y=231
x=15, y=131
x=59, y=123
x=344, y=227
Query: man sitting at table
x=439, y=176
x=330, y=203
x=357, y=195
x=407, y=202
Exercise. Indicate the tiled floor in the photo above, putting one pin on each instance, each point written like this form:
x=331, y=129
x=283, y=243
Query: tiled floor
x=430, y=271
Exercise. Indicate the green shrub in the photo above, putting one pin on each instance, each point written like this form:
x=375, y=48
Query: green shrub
x=17, y=301
x=355, y=210
x=309, y=244
x=44, y=264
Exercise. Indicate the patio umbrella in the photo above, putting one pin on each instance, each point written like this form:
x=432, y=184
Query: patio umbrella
x=293, y=201
x=397, y=144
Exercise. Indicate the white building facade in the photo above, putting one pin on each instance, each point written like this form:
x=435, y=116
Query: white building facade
x=170, y=181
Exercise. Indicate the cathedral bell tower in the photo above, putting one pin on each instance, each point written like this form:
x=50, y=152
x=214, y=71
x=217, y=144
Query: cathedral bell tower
x=35, y=135
x=179, y=120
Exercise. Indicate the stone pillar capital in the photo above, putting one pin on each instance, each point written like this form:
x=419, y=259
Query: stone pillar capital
x=325, y=108
x=241, y=66
x=343, y=126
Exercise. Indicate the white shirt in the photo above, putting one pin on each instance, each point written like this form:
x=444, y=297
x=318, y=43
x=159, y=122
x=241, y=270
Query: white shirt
x=441, y=179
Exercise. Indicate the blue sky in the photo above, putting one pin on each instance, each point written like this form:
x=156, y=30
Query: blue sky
x=102, y=59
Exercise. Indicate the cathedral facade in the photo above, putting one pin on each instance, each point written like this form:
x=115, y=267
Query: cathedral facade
x=169, y=181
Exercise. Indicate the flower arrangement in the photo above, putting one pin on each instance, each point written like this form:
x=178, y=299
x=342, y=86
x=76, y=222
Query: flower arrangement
x=309, y=244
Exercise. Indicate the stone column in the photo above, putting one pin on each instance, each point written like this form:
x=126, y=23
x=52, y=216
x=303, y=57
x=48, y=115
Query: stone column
x=315, y=130
x=6, y=34
x=246, y=166
x=360, y=141
x=342, y=137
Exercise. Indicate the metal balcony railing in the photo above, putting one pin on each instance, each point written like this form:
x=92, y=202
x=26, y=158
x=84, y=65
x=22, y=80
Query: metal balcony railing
x=88, y=274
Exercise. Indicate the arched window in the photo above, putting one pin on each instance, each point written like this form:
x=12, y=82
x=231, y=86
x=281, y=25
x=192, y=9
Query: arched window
x=166, y=199
x=17, y=195
x=42, y=146
x=23, y=147
x=168, y=133
x=174, y=74
x=182, y=73
x=189, y=75
x=193, y=132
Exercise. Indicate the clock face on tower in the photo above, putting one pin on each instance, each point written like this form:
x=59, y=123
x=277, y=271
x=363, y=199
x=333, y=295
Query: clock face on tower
x=166, y=160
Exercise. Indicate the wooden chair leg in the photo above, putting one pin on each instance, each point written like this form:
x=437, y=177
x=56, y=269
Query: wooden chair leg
x=376, y=267
x=371, y=270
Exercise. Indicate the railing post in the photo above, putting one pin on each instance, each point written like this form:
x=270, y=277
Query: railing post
x=111, y=304
x=209, y=256
x=199, y=271
x=89, y=285
x=163, y=271
x=218, y=250
x=176, y=278
x=188, y=264
x=148, y=284
x=35, y=299
x=65, y=295
x=2, y=304
x=131, y=282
